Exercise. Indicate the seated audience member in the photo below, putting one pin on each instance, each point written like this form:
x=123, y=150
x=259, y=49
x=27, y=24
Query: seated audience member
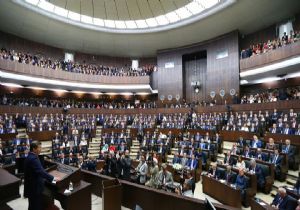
x=256, y=143
x=188, y=185
x=234, y=149
x=241, y=142
x=176, y=158
x=260, y=155
x=229, y=160
x=64, y=160
x=240, y=163
x=184, y=160
x=241, y=183
x=247, y=153
x=154, y=170
x=271, y=145
x=257, y=170
x=287, y=130
x=275, y=129
x=192, y=163
x=290, y=151
x=165, y=177
x=214, y=172
x=142, y=170
x=282, y=200
x=229, y=176
x=276, y=159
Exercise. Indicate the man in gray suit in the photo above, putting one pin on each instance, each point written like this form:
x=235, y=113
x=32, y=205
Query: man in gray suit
x=154, y=169
x=184, y=160
x=165, y=177
x=142, y=170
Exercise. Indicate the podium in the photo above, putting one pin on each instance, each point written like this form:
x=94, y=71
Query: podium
x=79, y=198
x=9, y=188
x=111, y=195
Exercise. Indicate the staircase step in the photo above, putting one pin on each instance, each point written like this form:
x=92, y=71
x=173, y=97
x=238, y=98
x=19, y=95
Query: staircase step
x=291, y=181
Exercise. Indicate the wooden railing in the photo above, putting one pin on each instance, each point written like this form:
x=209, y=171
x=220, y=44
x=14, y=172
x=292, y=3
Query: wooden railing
x=280, y=105
x=273, y=56
x=28, y=69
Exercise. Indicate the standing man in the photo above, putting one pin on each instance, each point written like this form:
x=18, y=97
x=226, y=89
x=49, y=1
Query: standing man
x=34, y=176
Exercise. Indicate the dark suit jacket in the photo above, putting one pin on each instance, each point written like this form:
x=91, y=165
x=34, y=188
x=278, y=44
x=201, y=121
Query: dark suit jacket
x=34, y=176
x=195, y=163
x=230, y=177
x=232, y=160
x=241, y=182
x=217, y=175
x=284, y=204
x=259, y=176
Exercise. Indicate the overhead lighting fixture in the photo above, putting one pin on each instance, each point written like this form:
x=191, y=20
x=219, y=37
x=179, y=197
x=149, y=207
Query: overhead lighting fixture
x=109, y=23
x=60, y=11
x=59, y=90
x=36, y=88
x=72, y=84
x=141, y=24
x=244, y=82
x=111, y=94
x=98, y=22
x=86, y=19
x=33, y=2
x=126, y=94
x=11, y=85
x=74, y=16
x=183, y=13
x=194, y=8
x=120, y=24
x=130, y=24
x=46, y=5
x=272, y=67
x=151, y=22
x=143, y=93
x=162, y=20
x=207, y=3
x=172, y=17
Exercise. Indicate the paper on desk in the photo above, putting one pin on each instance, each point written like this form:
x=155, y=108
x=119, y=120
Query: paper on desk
x=262, y=203
x=67, y=192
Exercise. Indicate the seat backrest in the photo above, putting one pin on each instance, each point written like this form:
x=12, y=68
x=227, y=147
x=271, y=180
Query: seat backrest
x=265, y=169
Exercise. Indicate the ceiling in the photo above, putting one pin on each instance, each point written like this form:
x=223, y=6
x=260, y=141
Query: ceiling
x=245, y=15
x=121, y=9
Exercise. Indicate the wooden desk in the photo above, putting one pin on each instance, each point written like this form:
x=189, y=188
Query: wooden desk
x=222, y=192
x=148, y=198
x=80, y=197
x=9, y=188
x=258, y=204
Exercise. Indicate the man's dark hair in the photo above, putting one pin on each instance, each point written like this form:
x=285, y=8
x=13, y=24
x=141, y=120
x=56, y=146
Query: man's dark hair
x=34, y=145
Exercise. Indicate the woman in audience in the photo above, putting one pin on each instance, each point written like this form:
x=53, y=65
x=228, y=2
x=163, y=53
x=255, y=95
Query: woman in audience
x=240, y=163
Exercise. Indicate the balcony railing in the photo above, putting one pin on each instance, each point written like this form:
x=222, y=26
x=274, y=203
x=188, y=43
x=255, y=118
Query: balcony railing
x=270, y=57
x=27, y=69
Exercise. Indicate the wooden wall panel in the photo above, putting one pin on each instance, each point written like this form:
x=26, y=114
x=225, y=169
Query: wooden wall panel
x=221, y=73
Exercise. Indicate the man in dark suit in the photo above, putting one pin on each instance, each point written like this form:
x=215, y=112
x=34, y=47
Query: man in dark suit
x=229, y=160
x=241, y=183
x=257, y=170
x=241, y=142
x=229, y=175
x=125, y=166
x=192, y=163
x=290, y=151
x=213, y=172
x=282, y=200
x=260, y=155
x=34, y=176
x=256, y=143
x=276, y=160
